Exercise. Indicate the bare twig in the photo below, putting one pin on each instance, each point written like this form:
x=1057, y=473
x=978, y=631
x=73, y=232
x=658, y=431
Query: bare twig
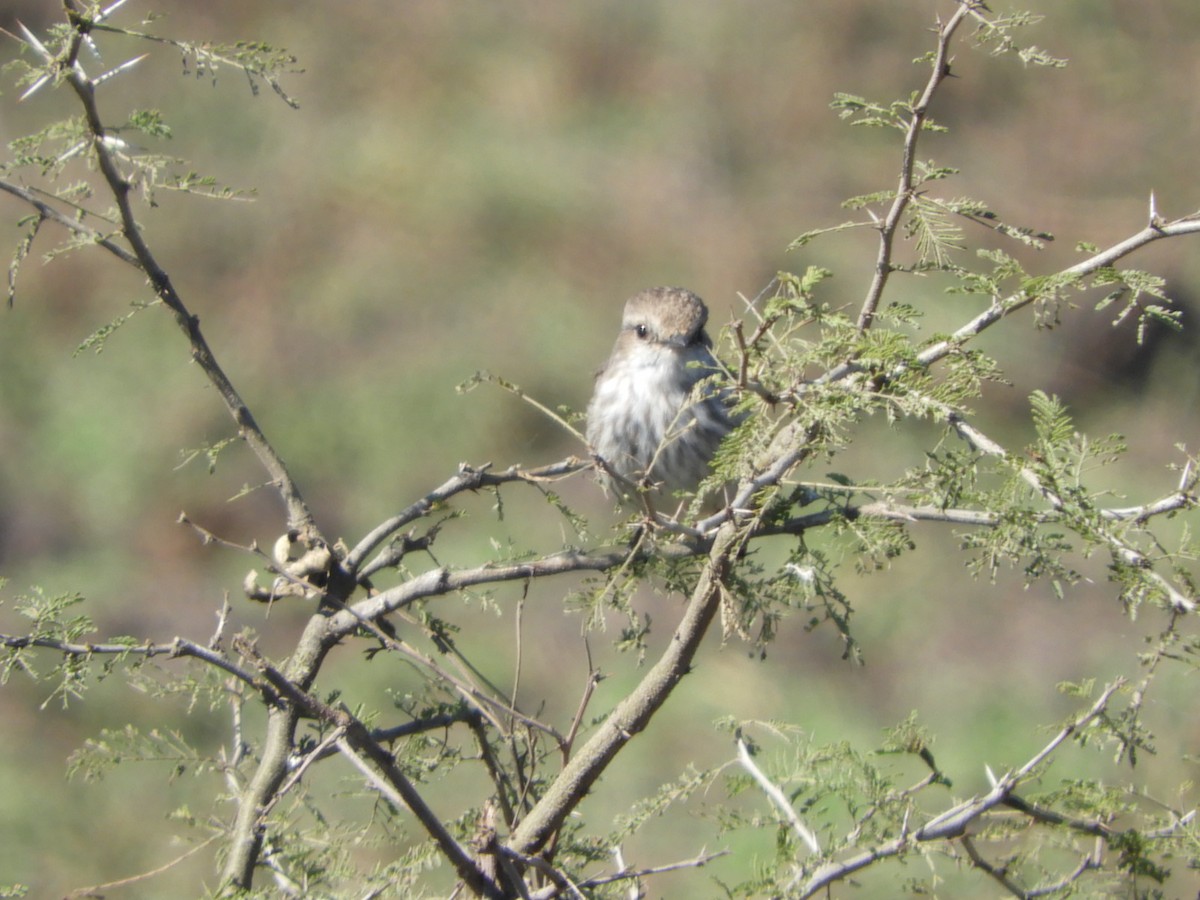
x=1092, y=860
x=1045, y=816
x=468, y=479
x=500, y=779
x=594, y=678
x=323, y=749
x=75, y=226
x=997, y=873
x=97, y=890
x=699, y=861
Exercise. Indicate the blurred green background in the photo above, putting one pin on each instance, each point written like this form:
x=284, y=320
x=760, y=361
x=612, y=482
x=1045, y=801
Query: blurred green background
x=479, y=186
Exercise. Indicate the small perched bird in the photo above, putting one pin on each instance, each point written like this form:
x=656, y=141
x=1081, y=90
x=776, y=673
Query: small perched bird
x=643, y=420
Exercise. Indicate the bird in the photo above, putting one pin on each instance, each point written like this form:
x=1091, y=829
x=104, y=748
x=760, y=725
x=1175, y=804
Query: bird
x=646, y=421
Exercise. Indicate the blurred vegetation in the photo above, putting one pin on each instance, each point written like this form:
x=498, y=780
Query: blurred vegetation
x=480, y=186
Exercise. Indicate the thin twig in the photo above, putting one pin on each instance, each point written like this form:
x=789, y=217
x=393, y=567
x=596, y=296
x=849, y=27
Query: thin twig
x=1000, y=875
x=97, y=890
x=468, y=479
x=179, y=647
x=696, y=862
x=594, y=678
x=317, y=753
x=904, y=190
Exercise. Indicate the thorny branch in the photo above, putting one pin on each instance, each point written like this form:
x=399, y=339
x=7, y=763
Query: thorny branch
x=1128, y=555
x=1001, y=308
x=468, y=479
x=359, y=737
x=953, y=822
x=720, y=538
x=178, y=648
x=904, y=191
x=137, y=252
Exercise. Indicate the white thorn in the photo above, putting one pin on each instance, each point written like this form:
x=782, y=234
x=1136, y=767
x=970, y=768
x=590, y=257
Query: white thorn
x=73, y=151
x=37, y=84
x=104, y=14
x=112, y=142
x=91, y=45
x=117, y=70
x=32, y=41
x=805, y=574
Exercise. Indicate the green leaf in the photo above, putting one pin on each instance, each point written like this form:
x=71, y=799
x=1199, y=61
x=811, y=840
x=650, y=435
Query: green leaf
x=1051, y=421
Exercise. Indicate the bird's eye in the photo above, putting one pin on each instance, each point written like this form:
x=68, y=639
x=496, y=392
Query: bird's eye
x=641, y=331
